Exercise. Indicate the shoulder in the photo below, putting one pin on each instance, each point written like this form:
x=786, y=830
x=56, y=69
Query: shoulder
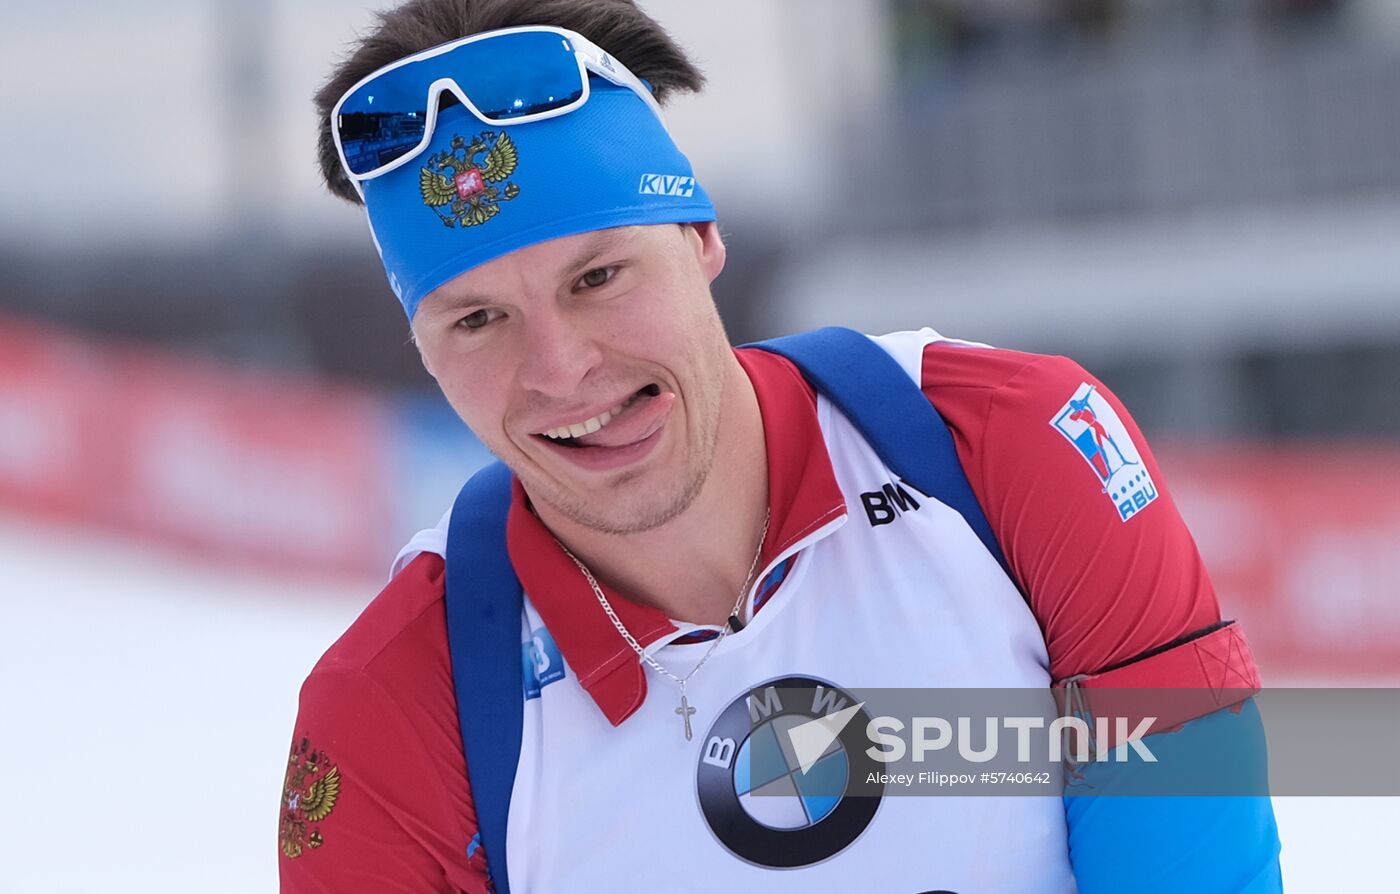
x=938, y=363
x=392, y=664
x=992, y=398
x=389, y=675
x=407, y=612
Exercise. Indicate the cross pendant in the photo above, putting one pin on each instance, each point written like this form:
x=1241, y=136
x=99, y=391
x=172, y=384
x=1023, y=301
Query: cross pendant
x=685, y=710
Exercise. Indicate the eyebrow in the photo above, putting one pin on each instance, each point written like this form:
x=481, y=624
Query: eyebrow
x=598, y=243
x=456, y=303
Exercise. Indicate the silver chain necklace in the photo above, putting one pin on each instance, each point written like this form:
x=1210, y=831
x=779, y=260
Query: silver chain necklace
x=685, y=710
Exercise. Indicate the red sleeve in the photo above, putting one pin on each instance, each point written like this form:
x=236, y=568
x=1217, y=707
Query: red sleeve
x=1107, y=580
x=375, y=797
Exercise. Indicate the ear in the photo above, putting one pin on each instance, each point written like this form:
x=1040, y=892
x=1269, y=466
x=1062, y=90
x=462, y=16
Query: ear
x=709, y=247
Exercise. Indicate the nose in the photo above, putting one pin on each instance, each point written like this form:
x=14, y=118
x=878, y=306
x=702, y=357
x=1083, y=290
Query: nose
x=557, y=354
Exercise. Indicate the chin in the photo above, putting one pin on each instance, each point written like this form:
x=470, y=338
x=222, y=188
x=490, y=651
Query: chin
x=628, y=504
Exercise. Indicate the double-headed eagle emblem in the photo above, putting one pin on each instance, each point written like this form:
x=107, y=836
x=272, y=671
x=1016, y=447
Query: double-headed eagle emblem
x=463, y=191
x=308, y=797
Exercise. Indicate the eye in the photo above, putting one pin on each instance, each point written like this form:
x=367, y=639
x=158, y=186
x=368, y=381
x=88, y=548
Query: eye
x=598, y=276
x=477, y=319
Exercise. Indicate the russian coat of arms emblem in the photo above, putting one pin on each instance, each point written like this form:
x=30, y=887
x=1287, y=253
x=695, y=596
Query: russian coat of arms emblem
x=464, y=189
x=308, y=797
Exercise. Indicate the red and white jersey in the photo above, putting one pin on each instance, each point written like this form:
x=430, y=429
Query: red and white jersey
x=860, y=589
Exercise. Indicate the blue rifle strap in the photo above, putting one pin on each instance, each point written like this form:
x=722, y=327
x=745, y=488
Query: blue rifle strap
x=877, y=395
x=484, y=606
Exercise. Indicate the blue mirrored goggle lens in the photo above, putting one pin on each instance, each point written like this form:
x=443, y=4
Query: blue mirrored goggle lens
x=508, y=76
x=382, y=121
x=519, y=74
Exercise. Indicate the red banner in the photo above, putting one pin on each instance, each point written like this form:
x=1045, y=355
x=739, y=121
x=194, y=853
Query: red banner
x=257, y=467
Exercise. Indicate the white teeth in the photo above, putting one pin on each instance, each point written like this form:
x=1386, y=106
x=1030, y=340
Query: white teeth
x=587, y=426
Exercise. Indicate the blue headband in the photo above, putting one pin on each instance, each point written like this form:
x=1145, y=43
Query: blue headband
x=480, y=191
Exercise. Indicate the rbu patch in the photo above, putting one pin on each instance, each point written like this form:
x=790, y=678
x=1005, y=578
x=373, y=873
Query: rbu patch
x=667, y=185
x=1089, y=423
x=543, y=663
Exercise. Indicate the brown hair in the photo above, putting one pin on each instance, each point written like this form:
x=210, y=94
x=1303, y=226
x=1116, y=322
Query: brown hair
x=617, y=26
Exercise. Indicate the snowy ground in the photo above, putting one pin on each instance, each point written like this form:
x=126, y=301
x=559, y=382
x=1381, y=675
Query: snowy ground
x=146, y=705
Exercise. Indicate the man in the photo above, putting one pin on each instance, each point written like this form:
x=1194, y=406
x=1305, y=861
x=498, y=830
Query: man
x=689, y=522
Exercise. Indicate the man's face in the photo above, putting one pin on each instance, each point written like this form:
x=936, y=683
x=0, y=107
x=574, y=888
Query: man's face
x=593, y=365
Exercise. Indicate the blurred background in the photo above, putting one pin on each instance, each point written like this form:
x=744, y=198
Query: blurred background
x=214, y=433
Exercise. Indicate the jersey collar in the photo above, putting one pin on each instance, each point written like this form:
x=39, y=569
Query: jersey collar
x=802, y=496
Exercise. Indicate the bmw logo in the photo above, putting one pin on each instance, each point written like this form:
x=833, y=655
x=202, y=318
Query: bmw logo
x=778, y=770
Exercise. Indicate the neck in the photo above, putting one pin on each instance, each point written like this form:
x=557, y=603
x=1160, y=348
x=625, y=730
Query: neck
x=693, y=566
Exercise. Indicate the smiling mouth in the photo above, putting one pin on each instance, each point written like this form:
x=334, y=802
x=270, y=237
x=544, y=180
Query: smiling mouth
x=569, y=436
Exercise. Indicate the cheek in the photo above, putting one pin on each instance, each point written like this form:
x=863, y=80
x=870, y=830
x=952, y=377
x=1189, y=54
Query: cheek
x=475, y=390
x=676, y=315
x=486, y=417
x=483, y=404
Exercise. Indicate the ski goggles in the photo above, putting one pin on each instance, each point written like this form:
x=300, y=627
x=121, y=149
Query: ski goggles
x=506, y=77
